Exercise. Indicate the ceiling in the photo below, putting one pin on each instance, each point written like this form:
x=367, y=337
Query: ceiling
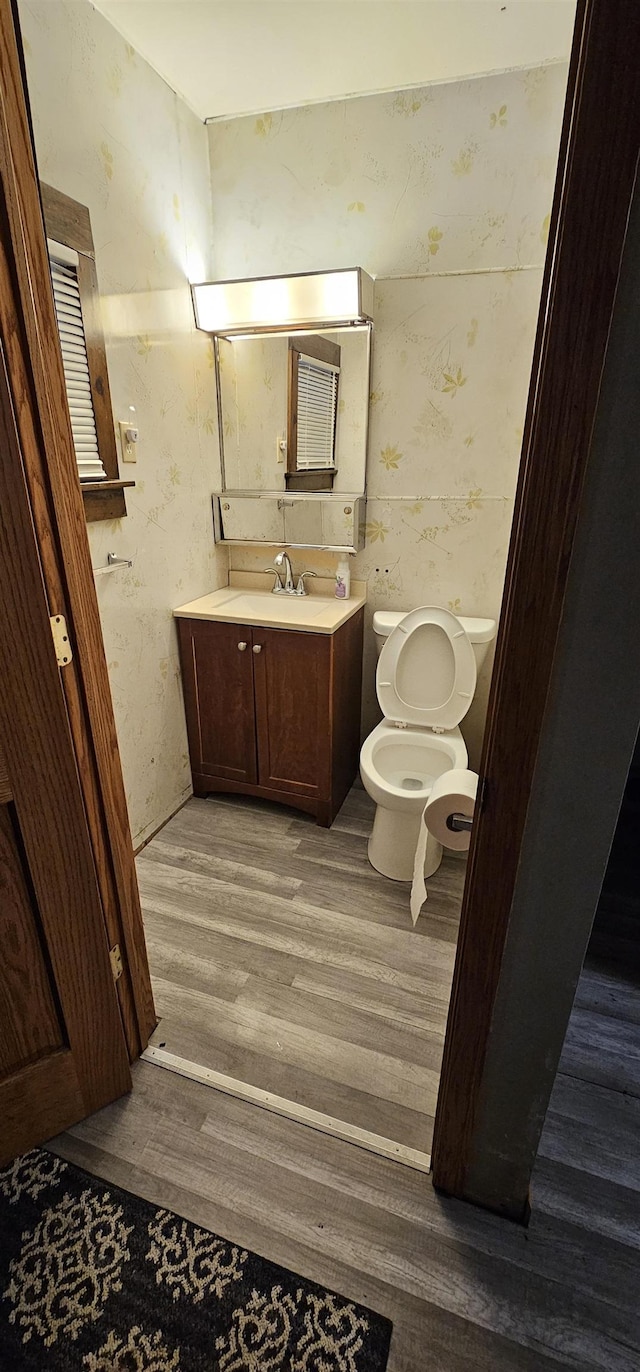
x=233, y=57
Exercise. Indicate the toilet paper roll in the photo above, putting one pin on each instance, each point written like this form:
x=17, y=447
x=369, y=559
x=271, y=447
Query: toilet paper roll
x=454, y=793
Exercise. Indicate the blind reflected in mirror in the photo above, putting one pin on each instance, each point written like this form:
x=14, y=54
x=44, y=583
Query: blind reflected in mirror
x=314, y=378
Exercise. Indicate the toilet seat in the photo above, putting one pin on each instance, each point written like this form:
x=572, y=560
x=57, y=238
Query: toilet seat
x=426, y=673
x=390, y=756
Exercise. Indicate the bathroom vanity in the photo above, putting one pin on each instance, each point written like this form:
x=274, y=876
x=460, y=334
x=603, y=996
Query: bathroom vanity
x=272, y=682
x=272, y=688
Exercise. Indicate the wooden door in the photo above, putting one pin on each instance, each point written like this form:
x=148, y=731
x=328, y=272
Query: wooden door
x=292, y=681
x=218, y=689
x=46, y=463
x=62, y=1045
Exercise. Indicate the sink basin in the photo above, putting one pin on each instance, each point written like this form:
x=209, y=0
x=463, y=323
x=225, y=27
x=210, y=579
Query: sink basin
x=314, y=614
x=282, y=607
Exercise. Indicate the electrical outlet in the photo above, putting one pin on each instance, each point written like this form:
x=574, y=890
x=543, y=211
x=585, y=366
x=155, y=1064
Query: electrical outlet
x=128, y=440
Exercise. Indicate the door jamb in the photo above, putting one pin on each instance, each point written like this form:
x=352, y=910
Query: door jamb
x=594, y=188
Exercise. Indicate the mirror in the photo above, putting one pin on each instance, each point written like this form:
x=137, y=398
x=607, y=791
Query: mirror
x=293, y=410
x=307, y=521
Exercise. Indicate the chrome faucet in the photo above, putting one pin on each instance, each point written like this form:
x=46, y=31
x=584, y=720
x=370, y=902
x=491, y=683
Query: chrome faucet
x=289, y=586
x=282, y=560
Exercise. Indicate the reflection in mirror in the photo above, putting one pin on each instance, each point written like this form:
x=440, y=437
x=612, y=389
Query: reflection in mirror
x=299, y=521
x=312, y=405
x=294, y=410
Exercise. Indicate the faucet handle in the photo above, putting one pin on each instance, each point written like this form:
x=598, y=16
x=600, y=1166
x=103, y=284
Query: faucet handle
x=277, y=584
x=301, y=588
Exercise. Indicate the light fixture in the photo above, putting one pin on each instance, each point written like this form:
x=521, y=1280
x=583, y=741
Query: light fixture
x=284, y=303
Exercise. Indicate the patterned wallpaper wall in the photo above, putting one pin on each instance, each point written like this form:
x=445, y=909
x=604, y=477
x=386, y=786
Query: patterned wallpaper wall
x=456, y=179
x=110, y=133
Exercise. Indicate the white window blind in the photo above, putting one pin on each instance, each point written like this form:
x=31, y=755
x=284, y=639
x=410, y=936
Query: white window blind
x=317, y=406
x=66, y=294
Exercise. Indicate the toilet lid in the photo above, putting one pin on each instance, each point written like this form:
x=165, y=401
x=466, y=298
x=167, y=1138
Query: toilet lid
x=426, y=672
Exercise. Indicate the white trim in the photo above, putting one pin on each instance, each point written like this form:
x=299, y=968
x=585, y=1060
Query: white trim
x=290, y=1109
x=453, y=271
x=375, y=90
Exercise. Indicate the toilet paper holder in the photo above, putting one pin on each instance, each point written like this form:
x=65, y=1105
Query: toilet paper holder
x=459, y=822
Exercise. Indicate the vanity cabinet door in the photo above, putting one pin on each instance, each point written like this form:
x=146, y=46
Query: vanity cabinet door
x=218, y=687
x=292, y=698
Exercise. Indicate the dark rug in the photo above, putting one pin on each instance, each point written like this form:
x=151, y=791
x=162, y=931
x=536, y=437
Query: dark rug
x=96, y=1279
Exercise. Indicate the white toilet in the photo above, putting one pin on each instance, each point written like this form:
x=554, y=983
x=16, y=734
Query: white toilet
x=428, y=663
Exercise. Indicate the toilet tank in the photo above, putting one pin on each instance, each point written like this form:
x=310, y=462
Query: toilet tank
x=480, y=632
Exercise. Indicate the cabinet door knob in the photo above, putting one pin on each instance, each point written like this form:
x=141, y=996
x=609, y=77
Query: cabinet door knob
x=242, y=647
x=257, y=647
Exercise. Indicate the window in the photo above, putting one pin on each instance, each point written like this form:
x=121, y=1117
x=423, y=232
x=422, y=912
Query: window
x=76, y=300
x=314, y=378
x=66, y=297
x=317, y=408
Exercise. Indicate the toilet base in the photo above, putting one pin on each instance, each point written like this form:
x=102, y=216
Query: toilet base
x=393, y=843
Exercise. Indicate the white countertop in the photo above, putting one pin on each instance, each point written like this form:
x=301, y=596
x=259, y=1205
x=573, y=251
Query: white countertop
x=250, y=603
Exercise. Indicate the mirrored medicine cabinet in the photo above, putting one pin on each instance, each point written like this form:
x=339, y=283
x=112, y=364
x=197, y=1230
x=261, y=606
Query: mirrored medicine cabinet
x=292, y=367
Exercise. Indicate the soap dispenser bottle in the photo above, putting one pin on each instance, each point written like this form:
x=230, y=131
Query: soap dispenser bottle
x=343, y=579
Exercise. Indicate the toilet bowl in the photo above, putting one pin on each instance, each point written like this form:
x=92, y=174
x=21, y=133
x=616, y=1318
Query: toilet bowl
x=425, y=680
x=398, y=769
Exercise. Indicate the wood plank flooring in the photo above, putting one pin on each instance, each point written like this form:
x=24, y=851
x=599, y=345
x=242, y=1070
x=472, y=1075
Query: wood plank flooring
x=280, y=957
x=467, y=1291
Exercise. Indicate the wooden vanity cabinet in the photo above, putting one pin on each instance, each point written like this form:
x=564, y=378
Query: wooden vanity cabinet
x=273, y=712
x=218, y=686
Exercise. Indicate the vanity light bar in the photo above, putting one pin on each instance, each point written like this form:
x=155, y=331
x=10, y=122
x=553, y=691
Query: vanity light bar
x=298, y=332
x=277, y=304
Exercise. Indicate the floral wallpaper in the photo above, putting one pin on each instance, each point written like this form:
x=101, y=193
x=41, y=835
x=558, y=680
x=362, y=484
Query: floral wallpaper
x=443, y=194
x=110, y=133
x=456, y=176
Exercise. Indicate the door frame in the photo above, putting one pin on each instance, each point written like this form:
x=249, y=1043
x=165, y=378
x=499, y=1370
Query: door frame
x=594, y=188
x=596, y=173
x=28, y=322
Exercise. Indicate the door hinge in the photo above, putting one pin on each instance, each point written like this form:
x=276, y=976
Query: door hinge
x=61, y=640
x=115, y=958
x=482, y=794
